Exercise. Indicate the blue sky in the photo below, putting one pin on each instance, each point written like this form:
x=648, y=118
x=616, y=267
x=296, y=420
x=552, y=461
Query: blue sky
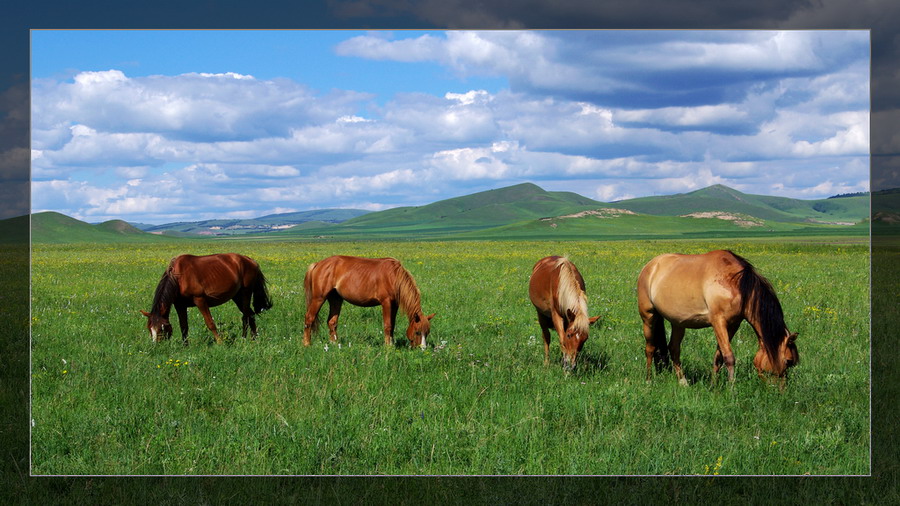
x=161, y=126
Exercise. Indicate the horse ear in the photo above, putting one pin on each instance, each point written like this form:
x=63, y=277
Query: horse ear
x=145, y=313
x=570, y=314
x=429, y=317
x=792, y=338
x=593, y=320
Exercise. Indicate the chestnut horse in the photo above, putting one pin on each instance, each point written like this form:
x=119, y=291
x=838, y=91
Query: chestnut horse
x=205, y=282
x=718, y=289
x=364, y=282
x=556, y=289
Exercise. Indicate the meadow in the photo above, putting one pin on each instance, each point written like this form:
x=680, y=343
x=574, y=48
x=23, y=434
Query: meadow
x=108, y=401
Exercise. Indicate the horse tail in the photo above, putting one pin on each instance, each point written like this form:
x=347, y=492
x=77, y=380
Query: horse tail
x=658, y=333
x=307, y=294
x=759, y=302
x=261, y=299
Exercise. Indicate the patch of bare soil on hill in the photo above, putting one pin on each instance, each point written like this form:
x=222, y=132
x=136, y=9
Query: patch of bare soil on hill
x=600, y=213
x=738, y=219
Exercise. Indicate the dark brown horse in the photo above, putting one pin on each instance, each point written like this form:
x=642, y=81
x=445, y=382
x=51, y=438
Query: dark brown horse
x=205, y=282
x=364, y=282
x=556, y=289
x=717, y=289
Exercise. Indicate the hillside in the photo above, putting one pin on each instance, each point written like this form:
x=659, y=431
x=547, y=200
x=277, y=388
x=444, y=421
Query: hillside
x=51, y=227
x=628, y=225
x=522, y=211
x=724, y=199
x=470, y=212
x=527, y=211
x=259, y=225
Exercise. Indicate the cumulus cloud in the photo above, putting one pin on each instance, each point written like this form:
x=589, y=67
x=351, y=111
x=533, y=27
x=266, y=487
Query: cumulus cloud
x=610, y=115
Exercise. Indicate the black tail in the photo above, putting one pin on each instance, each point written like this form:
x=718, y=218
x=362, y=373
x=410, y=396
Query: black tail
x=761, y=305
x=261, y=300
x=658, y=330
x=307, y=294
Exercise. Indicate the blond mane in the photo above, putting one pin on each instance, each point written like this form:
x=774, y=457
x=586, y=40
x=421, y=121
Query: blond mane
x=570, y=295
x=407, y=292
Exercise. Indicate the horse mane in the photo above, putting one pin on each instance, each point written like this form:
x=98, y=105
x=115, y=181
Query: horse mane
x=166, y=290
x=407, y=292
x=570, y=295
x=758, y=300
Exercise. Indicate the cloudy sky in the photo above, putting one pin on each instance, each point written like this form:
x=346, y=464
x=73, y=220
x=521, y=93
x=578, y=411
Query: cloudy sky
x=161, y=126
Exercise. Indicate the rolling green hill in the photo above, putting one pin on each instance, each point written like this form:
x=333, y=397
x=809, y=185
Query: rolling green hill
x=51, y=227
x=477, y=211
x=262, y=224
x=724, y=199
x=523, y=211
x=644, y=226
x=527, y=211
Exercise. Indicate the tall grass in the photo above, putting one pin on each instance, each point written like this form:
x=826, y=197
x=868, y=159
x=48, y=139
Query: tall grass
x=106, y=400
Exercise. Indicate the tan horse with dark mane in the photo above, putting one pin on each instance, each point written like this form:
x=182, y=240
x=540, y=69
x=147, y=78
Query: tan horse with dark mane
x=205, y=282
x=718, y=289
x=557, y=291
x=364, y=282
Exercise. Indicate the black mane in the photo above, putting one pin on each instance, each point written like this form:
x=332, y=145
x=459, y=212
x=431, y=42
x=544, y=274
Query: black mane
x=165, y=293
x=758, y=299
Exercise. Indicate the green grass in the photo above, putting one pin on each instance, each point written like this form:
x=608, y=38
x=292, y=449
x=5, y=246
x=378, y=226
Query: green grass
x=106, y=400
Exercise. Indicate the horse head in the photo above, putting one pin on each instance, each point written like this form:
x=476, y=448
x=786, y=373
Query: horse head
x=576, y=335
x=788, y=357
x=418, y=330
x=159, y=326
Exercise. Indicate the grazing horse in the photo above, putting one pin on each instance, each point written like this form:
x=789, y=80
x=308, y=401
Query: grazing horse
x=556, y=289
x=717, y=289
x=205, y=282
x=364, y=282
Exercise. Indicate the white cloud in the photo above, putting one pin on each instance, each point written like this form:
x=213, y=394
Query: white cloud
x=700, y=116
x=736, y=108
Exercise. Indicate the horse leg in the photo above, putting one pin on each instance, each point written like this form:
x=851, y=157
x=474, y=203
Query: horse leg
x=204, y=310
x=313, y=305
x=334, y=311
x=545, y=324
x=718, y=360
x=655, y=340
x=389, y=315
x=181, y=311
x=242, y=301
x=724, y=332
x=675, y=352
x=560, y=325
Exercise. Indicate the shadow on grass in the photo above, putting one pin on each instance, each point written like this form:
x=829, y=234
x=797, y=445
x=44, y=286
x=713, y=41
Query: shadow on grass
x=590, y=363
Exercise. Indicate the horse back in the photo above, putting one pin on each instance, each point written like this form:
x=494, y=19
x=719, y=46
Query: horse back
x=685, y=289
x=361, y=281
x=217, y=277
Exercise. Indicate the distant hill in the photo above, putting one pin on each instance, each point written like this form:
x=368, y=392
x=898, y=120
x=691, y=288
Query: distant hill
x=851, y=209
x=51, y=227
x=523, y=211
x=470, y=212
x=263, y=224
x=528, y=211
x=14, y=230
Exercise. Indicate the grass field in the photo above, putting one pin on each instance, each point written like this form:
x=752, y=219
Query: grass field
x=106, y=400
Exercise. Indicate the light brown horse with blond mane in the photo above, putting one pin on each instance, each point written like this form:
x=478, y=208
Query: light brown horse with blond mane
x=556, y=289
x=364, y=282
x=718, y=289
